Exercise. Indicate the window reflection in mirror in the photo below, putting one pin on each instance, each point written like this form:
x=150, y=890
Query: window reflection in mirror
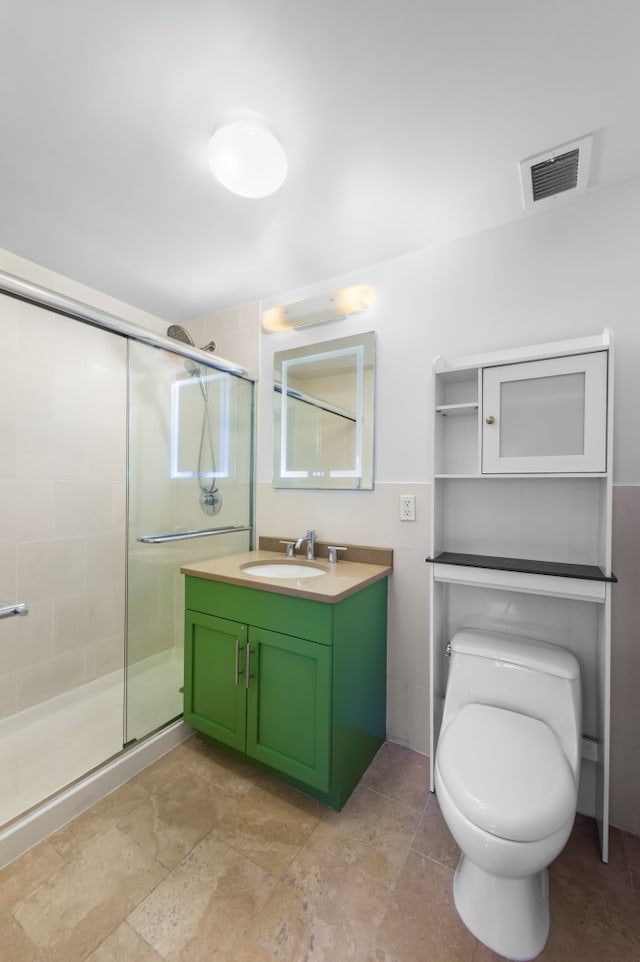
x=323, y=414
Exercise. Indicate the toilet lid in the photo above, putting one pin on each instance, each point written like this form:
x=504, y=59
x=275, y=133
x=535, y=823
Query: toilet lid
x=506, y=773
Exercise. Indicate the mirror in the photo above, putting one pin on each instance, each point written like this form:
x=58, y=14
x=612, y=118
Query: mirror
x=323, y=414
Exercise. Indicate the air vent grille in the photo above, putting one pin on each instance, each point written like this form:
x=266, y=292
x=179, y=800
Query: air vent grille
x=555, y=175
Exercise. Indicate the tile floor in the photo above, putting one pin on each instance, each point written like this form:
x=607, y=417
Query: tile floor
x=201, y=859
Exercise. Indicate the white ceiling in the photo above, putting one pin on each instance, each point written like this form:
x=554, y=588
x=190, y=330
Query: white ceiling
x=403, y=120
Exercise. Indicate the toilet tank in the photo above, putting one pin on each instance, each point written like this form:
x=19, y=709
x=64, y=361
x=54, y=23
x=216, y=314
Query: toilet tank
x=519, y=674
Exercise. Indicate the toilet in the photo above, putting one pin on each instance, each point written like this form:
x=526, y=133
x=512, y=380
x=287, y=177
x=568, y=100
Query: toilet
x=507, y=768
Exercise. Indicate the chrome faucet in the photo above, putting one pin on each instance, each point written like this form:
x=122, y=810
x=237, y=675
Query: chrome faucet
x=310, y=539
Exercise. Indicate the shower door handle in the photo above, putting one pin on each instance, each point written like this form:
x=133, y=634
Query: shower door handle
x=18, y=609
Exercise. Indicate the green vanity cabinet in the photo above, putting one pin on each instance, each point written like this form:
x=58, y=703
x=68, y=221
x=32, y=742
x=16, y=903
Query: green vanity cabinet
x=297, y=687
x=214, y=665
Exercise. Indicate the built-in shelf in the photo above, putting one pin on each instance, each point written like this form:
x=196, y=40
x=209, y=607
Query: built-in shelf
x=558, y=569
x=477, y=476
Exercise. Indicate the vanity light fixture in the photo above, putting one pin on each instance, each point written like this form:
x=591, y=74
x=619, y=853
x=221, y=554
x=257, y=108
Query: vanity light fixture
x=247, y=158
x=318, y=310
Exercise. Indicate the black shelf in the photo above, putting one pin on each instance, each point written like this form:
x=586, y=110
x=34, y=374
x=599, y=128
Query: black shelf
x=528, y=566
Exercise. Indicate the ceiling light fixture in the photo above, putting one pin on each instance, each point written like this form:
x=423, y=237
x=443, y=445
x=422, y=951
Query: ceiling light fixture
x=247, y=158
x=318, y=310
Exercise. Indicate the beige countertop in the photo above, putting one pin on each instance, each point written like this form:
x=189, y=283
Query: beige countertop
x=339, y=581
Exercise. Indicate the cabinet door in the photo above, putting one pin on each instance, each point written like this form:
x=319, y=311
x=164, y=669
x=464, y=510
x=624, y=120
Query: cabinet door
x=546, y=416
x=214, y=679
x=288, y=705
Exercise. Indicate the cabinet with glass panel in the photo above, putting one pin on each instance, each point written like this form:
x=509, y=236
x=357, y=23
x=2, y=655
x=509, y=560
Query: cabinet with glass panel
x=521, y=517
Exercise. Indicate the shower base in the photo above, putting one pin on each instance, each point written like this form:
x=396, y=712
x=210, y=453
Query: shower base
x=52, y=744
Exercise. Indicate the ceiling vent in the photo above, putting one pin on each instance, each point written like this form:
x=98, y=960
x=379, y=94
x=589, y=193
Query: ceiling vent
x=560, y=172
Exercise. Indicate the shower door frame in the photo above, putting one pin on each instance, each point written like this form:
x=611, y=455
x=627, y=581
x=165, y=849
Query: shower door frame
x=33, y=826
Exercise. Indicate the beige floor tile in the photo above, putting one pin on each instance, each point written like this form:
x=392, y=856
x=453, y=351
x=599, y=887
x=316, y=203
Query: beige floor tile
x=336, y=889
x=155, y=778
x=270, y=824
x=21, y=877
x=14, y=944
x=168, y=824
x=371, y=832
x=229, y=775
x=124, y=945
x=293, y=930
x=102, y=816
x=273, y=876
x=399, y=773
x=324, y=909
x=200, y=911
x=378, y=955
x=631, y=845
x=585, y=926
x=580, y=862
x=249, y=951
x=421, y=922
x=71, y=913
x=433, y=838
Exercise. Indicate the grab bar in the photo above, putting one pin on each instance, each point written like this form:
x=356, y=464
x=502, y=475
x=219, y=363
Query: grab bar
x=186, y=535
x=18, y=609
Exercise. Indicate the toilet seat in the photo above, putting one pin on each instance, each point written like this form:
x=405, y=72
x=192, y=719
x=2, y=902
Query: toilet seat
x=506, y=773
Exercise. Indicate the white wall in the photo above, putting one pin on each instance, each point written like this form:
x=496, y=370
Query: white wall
x=27, y=270
x=558, y=274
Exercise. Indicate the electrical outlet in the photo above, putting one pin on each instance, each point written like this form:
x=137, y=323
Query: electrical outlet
x=407, y=507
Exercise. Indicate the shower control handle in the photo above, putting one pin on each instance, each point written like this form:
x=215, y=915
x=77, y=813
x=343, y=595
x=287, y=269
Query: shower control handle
x=7, y=610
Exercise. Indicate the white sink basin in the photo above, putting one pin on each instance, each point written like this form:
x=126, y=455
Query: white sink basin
x=284, y=569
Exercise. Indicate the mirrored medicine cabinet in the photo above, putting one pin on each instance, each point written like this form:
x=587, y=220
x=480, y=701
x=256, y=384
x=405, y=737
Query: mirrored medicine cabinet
x=323, y=414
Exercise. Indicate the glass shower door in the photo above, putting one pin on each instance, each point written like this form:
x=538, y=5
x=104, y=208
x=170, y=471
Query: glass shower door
x=62, y=535
x=189, y=498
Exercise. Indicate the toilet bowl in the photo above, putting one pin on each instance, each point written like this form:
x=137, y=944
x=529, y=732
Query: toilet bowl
x=506, y=776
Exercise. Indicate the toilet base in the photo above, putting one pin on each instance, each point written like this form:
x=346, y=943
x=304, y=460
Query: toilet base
x=511, y=916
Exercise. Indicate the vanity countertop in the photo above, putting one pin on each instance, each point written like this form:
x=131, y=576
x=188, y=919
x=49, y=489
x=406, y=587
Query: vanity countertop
x=340, y=581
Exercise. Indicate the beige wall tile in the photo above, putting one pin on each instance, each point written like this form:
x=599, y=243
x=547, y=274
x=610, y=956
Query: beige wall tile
x=48, y=678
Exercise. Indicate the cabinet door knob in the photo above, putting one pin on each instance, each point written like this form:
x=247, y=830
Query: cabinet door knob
x=248, y=666
x=490, y=419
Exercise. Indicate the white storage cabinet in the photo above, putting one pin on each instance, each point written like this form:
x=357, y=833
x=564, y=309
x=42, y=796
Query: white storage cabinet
x=521, y=525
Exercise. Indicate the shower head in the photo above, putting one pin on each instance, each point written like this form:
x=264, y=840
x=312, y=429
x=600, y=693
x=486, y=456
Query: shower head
x=178, y=333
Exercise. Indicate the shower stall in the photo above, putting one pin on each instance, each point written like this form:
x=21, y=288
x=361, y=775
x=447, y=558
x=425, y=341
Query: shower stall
x=123, y=455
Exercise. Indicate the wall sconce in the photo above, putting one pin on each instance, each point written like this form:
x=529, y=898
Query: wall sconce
x=318, y=310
